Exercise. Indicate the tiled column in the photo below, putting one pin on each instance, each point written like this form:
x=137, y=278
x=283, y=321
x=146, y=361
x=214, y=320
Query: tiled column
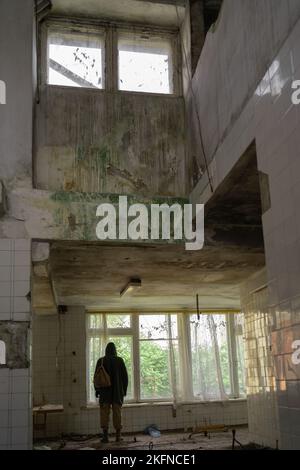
x=15, y=374
x=277, y=141
x=259, y=363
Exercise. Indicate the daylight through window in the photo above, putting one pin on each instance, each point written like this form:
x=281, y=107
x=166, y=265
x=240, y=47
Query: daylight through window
x=75, y=59
x=161, y=352
x=145, y=65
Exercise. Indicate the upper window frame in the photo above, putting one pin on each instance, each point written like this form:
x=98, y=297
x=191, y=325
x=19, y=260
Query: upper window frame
x=109, y=32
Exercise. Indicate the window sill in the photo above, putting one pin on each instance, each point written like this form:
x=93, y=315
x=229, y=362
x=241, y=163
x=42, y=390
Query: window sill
x=82, y=89
x=94, y=406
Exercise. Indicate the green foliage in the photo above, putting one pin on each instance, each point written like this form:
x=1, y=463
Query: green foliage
x=154, y=360
x=124, y=350
x=204, y=370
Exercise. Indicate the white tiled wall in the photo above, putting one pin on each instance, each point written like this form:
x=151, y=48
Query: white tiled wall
x=271, y=120
x=14, y=279
x=61, y=379
x=278, y=144
x=137, y=418
x=15, y=409
x=15, y=384
x=259, y=363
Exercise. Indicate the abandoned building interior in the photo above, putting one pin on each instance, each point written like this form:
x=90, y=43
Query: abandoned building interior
x=166, y=102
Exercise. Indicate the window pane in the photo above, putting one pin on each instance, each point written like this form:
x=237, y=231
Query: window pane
x=95, y=351
x=75, y=60
x=154, y=370
x=210, y=361
x=145, y=65
x=156, y=327
x=124, y=350
x=95, y=321
x=118, y=321
x=97, y=346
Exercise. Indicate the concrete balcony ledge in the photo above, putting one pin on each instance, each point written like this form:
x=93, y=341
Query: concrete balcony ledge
x=45, y=215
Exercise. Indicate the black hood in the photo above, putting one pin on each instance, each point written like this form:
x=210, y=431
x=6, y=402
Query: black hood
x=111, y=350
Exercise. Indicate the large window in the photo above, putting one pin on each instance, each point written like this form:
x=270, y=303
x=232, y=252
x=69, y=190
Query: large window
x=75, y=59
x=172, y=357
x=111, y=57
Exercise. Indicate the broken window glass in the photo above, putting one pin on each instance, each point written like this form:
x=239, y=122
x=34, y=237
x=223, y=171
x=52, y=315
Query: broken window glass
x=75, y=59
x=145, y=65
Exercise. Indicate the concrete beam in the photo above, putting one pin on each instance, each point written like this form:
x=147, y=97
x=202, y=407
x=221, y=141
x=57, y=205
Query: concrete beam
x=197, y=31
x=45, y=215
x=43, y=299
x=42, y=295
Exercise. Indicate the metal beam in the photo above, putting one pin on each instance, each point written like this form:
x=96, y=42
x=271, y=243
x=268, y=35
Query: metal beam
x=70, y=75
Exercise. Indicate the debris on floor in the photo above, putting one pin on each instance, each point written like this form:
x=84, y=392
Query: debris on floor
x=152, y=431
x=166, y=441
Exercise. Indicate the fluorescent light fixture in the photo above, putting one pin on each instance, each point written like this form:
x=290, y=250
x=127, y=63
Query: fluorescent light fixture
x=134, y=283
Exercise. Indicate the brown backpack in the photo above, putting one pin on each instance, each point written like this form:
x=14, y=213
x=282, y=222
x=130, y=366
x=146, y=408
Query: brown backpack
x=101, y=377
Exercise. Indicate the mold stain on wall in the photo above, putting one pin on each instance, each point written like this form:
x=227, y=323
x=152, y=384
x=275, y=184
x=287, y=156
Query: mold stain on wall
x=110, y=142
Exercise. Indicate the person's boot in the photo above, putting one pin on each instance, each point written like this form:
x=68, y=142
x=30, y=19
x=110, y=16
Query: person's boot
x=118, y=435
x=104, y=439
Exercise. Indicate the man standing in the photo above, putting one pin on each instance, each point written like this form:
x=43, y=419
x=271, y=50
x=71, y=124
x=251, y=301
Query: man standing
x=113, y=396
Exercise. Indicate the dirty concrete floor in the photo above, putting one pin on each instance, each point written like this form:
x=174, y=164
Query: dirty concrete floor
x=167, y=441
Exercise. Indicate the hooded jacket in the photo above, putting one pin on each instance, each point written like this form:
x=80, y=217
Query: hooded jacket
x=116, y=369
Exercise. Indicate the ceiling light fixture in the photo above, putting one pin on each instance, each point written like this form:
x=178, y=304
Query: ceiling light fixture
x=134, y=283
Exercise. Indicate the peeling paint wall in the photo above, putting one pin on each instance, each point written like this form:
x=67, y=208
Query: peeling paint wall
x=101, y=141
x=64, y=215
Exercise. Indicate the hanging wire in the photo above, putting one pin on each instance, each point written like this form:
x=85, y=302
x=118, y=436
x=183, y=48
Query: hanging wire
x=198, y=311
x=179, y=23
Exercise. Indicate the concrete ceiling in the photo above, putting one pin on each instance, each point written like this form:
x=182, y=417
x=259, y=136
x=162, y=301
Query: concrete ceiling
x=93, y=275
x=156, y=12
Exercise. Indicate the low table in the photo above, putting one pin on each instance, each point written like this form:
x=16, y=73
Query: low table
x=43, y=411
